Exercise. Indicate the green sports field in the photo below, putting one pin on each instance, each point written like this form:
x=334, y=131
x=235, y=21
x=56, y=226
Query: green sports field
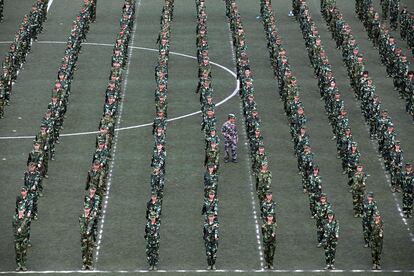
x=55, y=236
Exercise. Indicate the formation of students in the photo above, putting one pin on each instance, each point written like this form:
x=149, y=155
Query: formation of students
x=209, y=209
x=391, y=55
x=363, y=202
x=257, y=153
x=97, y=179
x=19, y=49
x=47, y=137
x=380, y=123
x=154, y=205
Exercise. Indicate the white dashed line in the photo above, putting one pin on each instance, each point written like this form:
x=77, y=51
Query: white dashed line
x=121, y=108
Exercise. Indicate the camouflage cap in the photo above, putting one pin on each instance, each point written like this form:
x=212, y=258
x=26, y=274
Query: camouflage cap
x=331, y=213
x=370, y=194
x=23, y=189
x=231, y=116
x=153, y=215
x=210, y=214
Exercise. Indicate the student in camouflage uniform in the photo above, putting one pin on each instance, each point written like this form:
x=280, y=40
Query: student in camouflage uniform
x=322, y=208
x=314, y=189
x=152, y=236
x=377, y=236
x=210, y=205
x=410, y=34
x=267, y=206
x=86, y=222
x=211, y=236
x=395, y=167
x=404, y=22
x=385, y=6
x=394, y=12
x=358, y=187
x=229, y=131
x=37, y=156
x=263, y=180
x=369, y=209
x=21, y=231
x=330, y=239
x=33, y=183
x=269, y=240
x=153, y=206
x=407, y=185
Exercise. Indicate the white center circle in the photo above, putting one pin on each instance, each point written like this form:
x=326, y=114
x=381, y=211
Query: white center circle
x=140, y=125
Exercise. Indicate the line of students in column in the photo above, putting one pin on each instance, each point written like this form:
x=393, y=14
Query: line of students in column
x=158, y=161
x=97, y=178
x=391, y=55
x=364, y=204
x=380, y=123
x=46, y=138
x=209, y=209
x=258, y=156
x=19, y=49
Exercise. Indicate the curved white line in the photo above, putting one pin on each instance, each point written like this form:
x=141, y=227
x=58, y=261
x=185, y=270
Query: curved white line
x=141, y=125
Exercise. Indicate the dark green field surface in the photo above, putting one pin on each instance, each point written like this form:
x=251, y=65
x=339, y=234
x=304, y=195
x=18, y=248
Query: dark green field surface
x=55, y=236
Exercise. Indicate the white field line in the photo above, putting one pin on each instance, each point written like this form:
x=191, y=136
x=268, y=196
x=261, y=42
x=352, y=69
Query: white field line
x=194, y=271
x=252, y=189
x=234, y=93
x=49, y=4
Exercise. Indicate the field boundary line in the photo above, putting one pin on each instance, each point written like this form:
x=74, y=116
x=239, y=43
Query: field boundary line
x=208, y=271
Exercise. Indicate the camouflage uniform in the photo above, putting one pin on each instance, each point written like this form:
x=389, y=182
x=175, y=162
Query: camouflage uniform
x=21, y=230
x=152, y=236
x=377, y=236
x=407, y=185
x=210, y=235
x=394, y=11
x=369, y=209
x=229, y=131
x=330, y=240
x=385, y=5
x=269, y=242
x=358, y=190
x=322, y=210
x=86, y=222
